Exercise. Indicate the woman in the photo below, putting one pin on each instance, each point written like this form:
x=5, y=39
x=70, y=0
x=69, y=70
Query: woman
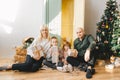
x=35, y=53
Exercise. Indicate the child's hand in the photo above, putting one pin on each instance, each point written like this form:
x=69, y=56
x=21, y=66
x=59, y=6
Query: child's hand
x=41, y=48
x=73, y=52
x=63, y=60
x=54, y=51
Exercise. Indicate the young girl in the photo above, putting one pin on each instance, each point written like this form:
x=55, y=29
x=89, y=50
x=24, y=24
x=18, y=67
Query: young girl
x=66, y=52
x=53, y=54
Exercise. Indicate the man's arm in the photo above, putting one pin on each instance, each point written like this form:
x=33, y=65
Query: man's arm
x=90, y=47
x=92, y=43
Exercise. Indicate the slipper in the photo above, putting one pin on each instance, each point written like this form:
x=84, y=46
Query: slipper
x=4, y=68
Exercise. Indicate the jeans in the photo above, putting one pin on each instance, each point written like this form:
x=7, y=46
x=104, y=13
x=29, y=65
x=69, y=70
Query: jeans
x=49, y=64
x=30, y=65
x=76, y=61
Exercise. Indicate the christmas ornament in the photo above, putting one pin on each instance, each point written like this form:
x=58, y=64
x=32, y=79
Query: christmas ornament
x=112, y=12
x=113, y=35
x=98, y=30
x=103, y=25
x=98, y=38
x=103, y=33
x=105, y=41
x=97, y=47
x=118, y=40
x=106, y=26
x=110, y=19
x=113, y=3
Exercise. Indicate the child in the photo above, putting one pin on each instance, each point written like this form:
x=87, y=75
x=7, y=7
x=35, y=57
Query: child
x=67, y=52
x=53, y=54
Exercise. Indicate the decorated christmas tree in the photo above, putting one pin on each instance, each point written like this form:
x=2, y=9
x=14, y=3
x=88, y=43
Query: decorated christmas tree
x=116, y=37
x=105, y=29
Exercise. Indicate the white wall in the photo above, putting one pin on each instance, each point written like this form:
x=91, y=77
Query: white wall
x=93, y=12
x=79, y=15
x=53, y=16
x=26, y=21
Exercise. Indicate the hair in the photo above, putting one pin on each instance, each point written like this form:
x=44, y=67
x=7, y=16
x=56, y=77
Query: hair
x=53, y=37
x=44, y=27
x=80, y=28
x=66, y=44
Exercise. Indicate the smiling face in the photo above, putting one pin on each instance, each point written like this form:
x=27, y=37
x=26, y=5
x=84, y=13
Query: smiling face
x=44, y=32
x=54, y=42
x=80, y=33
x=66, y=47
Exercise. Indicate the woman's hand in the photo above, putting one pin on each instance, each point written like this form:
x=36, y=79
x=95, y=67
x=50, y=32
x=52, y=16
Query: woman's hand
x=87, y=55
x=36, y=55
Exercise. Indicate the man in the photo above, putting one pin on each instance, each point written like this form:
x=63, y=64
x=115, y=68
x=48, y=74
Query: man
x=85, y=45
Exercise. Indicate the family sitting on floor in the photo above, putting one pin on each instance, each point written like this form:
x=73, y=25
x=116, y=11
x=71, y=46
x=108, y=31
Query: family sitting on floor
x=44, y=50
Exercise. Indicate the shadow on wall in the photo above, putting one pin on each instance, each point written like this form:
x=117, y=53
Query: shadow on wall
x=93, y=11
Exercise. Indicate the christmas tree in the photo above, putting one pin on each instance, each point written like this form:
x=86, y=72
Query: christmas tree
x=105, y=29
x=116, y=37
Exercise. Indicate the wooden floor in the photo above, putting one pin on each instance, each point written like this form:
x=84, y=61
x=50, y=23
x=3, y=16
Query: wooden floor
x=48, y=74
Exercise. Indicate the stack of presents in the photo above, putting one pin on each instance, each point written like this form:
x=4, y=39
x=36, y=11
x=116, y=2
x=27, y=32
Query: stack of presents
x=21, y=51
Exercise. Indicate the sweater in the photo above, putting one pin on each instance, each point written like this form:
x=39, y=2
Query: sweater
x=44, y=44
x=81, y=46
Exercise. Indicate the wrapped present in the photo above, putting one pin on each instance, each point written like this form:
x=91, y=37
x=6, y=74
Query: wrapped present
x=19, y=58
x=112, y=59
x=20, y=50
x=73, y=52
x=117, y=62
x=110, y=66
